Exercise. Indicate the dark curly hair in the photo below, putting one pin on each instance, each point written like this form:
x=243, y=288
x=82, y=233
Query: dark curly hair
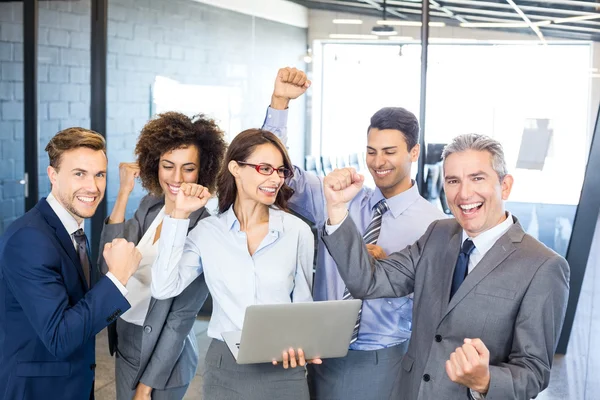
x=240, y=148
x=173, y=130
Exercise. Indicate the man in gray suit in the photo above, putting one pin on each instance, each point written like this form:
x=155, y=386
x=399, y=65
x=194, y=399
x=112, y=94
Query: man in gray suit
x=489, y=300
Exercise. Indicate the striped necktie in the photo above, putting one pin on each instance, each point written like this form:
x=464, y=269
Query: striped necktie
x=370, y=237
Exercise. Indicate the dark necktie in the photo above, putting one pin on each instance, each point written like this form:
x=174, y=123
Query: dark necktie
x=462, y=266
x=81, y=241
x=370, y=237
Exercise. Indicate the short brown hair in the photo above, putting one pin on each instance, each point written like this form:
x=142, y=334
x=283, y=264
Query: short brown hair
x=240, y=148
x=173, y=130
x=70, y=139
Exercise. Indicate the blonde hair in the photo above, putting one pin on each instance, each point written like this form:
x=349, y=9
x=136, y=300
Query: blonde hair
x=73, y=138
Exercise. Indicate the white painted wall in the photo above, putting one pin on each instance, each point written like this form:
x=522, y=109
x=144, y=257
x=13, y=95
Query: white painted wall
x=281, y=11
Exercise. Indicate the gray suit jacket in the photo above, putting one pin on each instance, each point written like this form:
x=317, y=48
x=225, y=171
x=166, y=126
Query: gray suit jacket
x=169, y=350
x=514, y=301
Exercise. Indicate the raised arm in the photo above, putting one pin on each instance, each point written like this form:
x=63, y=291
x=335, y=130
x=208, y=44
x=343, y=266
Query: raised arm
x=116, y=226
x=178, y=262
x=308, y=199
x=365, y=276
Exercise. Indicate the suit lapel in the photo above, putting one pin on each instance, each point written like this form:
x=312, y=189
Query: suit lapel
x=503, y=248
x=62, y=235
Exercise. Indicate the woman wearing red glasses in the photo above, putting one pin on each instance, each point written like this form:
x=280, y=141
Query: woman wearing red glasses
x=253, y=252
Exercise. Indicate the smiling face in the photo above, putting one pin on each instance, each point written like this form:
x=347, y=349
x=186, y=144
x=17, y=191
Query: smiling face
x=175, y=167
x=389, y=160
x=474, y=191
x=252, y=185
x=79, y=181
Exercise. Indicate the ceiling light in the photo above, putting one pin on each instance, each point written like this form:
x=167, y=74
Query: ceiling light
x=401, y=38
x=348, y=21
x=452, y=40
x=501, y=24
x=409, y=23
x=578, y=18
x=350, y=36
x=383, y=30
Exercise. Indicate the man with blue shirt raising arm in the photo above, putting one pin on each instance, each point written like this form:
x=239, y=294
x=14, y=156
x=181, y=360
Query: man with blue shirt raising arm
x=389, y=217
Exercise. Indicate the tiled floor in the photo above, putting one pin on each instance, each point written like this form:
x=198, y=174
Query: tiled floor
x=575, y=376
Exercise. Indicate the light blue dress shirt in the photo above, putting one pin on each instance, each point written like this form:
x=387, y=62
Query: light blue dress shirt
x=279, y=271
x=384, y=322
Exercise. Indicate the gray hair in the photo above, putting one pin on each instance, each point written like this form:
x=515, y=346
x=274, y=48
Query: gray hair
x=477, y=142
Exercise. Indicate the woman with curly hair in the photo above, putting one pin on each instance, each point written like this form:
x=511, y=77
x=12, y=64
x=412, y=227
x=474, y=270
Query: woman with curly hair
x=156, y=354
x=253, y=252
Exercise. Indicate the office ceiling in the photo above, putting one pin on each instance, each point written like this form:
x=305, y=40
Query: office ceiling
x=567, y=19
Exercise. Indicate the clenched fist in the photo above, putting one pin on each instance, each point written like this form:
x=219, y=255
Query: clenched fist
x=122, y=258
x=191, y=197
x=127, y=174
x=290, y=84
x=339, y=187
x=469, y=365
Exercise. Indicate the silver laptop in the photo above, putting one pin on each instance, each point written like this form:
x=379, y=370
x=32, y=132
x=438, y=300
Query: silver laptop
x=322, y=329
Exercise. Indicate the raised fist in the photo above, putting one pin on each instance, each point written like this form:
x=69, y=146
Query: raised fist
x=127, y=174
x=290, y=84
x=191, y=197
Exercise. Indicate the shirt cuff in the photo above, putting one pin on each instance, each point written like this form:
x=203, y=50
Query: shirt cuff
x=175, y=228
x=476, y=395
x=329, y=229
x=118, y=284
x=275, y=117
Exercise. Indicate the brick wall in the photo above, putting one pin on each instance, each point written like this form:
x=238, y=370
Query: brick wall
x=183, y=40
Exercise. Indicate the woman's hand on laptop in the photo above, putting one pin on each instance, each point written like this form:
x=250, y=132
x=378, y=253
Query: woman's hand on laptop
x=291, y=359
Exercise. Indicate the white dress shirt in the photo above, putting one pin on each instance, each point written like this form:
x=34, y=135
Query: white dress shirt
x=483, y=243
x=72, y=226
x=139, y=284
x=279, y=271
x=486, y=240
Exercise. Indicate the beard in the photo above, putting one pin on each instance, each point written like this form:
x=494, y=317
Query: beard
x=69, y=205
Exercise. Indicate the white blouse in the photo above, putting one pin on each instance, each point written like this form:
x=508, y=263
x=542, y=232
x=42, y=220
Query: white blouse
x=139, y=284
x=279, y=271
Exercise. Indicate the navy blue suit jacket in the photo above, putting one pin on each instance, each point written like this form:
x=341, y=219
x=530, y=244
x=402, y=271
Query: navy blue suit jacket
x=48, y=315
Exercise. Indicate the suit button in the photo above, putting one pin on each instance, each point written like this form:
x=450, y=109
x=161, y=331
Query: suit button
x=92, y=366
x=147, y=329
x=426, y=377
x=438, y=338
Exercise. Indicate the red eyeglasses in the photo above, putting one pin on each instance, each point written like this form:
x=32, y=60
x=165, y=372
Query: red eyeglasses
x=267, y=169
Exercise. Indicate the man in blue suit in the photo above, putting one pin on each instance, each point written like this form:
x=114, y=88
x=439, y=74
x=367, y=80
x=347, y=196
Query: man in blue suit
x=53, y=301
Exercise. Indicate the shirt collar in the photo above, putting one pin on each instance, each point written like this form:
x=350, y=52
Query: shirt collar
x=68, y=221
x=398, y=203
x=485, y=240
x=275, y=220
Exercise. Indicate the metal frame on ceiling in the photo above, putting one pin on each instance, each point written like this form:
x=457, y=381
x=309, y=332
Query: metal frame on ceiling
x=554, y=18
